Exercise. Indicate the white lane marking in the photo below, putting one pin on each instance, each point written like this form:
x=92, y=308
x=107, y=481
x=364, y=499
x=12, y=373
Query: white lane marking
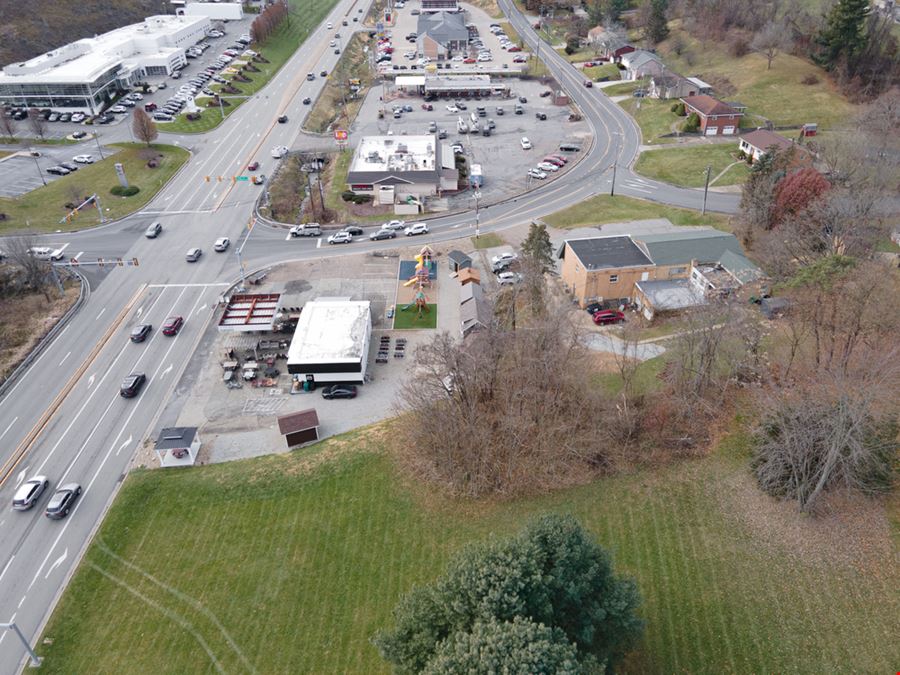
x=78, y=255
x=21, y=476
x=64, y=358
x=139, y=311
x=6, y=567
x=124, y=444
x=56, y=563
x=637, y=189
x=22, y=601
x=288, y=237
x=91, y=380
x=8, y=427
x=101, y=312
x=319, y=242
x=200, y=308
x=187, y=285
x=167, y=370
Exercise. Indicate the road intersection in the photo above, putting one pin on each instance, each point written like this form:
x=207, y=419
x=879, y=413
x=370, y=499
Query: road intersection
x=92, y=432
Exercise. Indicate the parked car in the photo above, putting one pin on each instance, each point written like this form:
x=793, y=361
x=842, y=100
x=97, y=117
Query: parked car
x=58, y=171
x=416, y=228
x=115, y=109
x=526, y=144
x=537, y=173
x=140, y=332
x=508, y=278
x=307, y=100
x=340, y=238
x=132, y=385
x=607, y=316
x=193, y=254
x=547, y=167
x=593, y=308
x=353, y=230
x=29, y=492
x=382, y=234
x=279, y=151
x=83, y=159
x=69, y=166
x=62, y=501
x=541, y=116
x=394, y=225
x=339, y=391
x=503, y=257
x=172, y=325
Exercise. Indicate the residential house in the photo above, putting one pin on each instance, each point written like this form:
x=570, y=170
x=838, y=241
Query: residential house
x=440, y=6
x=702, y=87
x=441, y=34
x=716, y=117
x=755, y=144
x=659, y=272
x=640, y=63
x=611, y=46
x=670, y=85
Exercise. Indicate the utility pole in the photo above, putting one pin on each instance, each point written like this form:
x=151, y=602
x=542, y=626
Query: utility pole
x=40, y=173
x=612, y=188
x=477, y=195
x=239, y=249
x=705, y=190
x=99, y=147
x=35, y=659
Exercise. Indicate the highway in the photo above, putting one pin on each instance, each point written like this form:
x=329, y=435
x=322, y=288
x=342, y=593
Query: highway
x=64, y=417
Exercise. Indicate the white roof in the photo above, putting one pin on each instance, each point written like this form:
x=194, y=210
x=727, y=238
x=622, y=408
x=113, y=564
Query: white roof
x=700, y=83
x=409, y=80
x=85, y=60
x=395, y=153
x=330, y=331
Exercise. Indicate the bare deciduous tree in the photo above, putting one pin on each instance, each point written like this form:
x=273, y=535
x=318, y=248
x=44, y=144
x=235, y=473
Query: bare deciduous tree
x=36, y=273
x=505, y=411
x=772, y=39
x=143, y=127
x=37, y=123
x=835, y=430
x=8, y=127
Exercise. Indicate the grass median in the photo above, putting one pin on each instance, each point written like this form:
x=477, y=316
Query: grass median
x=292, y=33
x=605, y=209
x=687, y=166
x=42, y=209
x=290, y=563
x=334, y=107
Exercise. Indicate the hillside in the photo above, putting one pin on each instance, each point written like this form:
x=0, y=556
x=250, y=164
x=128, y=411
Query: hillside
x=41, y=25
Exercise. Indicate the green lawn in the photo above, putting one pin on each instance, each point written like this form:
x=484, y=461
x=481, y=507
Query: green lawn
x=687, y=166
x=40, y=210
x=489, y=240
x=305, y=16
x=605, y=209
x=289, y=564
x=608, y=71
x=654, y=117
x=409, y=319
x=623, y=89
x=646, y=378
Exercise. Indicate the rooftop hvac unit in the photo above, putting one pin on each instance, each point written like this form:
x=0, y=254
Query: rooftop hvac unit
x=401, y=148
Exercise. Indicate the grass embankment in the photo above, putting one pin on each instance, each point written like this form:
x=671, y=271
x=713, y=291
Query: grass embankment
x=606, y=72
x=687, y=166
x=623, y=89
x=25, y=318
x=41, y=210
x=605, y=209
x=489, y=240
x=334, y=108
x=277, y=49
x=654, y=117
x=290, y=563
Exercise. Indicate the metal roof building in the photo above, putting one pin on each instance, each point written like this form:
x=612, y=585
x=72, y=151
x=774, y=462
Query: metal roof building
x=331, y=342
x=249, y=312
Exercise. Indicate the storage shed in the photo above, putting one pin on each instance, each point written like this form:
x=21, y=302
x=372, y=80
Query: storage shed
x=457, y=260
x=299, y=427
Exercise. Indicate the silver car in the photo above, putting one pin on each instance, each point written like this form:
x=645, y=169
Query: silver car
x=193, y=255
x=29, y=492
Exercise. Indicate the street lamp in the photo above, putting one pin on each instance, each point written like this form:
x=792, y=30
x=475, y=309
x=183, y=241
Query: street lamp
x=35, y=659
x=477, y=196
x=40, y=173
x=99, y=147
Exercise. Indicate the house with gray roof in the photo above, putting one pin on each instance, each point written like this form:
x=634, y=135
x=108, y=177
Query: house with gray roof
x=641, y=63
x=441, y=34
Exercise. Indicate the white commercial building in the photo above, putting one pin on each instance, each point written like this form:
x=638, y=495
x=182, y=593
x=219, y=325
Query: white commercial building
x=86, y=75
x=331, y=342
x=220, y=11
x=402, y=169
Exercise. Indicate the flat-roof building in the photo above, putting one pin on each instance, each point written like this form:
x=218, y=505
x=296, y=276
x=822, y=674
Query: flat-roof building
x=86, y=75
x=401, y=169
x=331, y=342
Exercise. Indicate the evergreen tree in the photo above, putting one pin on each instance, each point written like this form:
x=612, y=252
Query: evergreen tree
x=537, y=246
x=845, y=33
x=657, y=27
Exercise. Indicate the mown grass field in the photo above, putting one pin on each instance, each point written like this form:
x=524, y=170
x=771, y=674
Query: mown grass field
x=654, y=117
x=277, y=49
x=489, y=240
x=40, y=210
x=605, y=209
x=687, y=166
x=290, y=563
x=410, y=320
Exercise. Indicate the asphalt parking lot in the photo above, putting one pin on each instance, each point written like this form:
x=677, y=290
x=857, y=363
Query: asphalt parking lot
x=407, y=24
x=20, y=173
x=504, y=162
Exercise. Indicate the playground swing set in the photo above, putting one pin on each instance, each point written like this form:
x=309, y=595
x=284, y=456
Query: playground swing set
x=421, y=278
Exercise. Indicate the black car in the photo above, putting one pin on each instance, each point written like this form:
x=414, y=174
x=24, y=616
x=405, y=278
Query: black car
x=307, y=100
x=382, y=234
x=354, y=230
x=62, y=501
x=593, y=308
x=522, y=99
x=337, y=51
x=339, y=391
x=69, y=166
x=541, y=116
x=282, y=119
x=140, y=332
x=131, y=385
x=324, y=73
x=58, y=171
x=79, y=134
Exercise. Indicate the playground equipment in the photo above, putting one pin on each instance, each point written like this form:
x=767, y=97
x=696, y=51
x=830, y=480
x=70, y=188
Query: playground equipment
x=420, y=302
x=424, y=264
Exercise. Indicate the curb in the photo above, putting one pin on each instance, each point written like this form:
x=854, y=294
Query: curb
x=49, y=336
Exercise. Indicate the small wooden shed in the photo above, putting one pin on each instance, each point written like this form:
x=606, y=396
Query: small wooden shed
x=457, y=260
x=299, y=427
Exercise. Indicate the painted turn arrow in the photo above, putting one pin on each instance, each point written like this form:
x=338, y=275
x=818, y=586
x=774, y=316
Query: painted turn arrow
x=91, y=380
x=122, y=447
x=167, y=370
x=57, y=563
x=21, y=476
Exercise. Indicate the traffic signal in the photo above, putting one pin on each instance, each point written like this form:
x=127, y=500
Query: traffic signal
x=207, y=178
x=100, y=262
x=119, y=262
x=134, y=261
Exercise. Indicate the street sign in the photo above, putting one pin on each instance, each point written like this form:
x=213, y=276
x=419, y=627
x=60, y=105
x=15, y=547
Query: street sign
x=243, y=177
x=341, y=135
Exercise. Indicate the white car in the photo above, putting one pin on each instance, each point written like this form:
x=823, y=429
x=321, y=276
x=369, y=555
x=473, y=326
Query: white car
x=526, y=144
x=537, y=173
x=504, y=257
x=279, y=151
x=508, y=278
x=416, y=228
x=78, y=117
x=547, y=166
x=329, y=25
x=222, y=244
x=394, y=225
x=29, y=492
x=118, y=109
x=46, y=253
x=83, y=159
x=332, y=43
x=340, y=238
x=137, y=96
x=452, y=109
x=458, y=59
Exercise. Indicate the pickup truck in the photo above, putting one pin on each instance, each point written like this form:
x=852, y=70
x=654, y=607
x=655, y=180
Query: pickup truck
x=306, y=230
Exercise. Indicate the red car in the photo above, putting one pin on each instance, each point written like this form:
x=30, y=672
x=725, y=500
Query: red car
x=469, y=60
x=150, y=107
x=514, y=48
x=172, y=325
x=252, y=166
x=605, y=316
